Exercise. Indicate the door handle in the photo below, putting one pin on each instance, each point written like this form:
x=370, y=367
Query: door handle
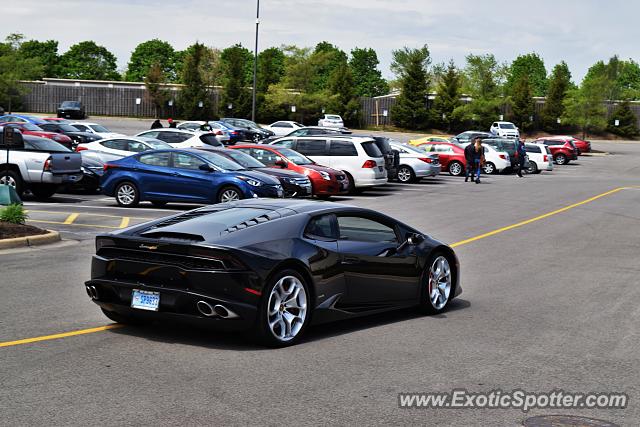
x=175, y=174
x=350, y=261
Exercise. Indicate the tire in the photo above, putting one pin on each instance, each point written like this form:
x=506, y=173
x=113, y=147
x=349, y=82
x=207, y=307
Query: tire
x=158, y=203
x=533, y=167
x=489, y=168
x=456, y=168
x=255, y=138
x=127, y=194
x=352, y=185
x=226, y=194
x=15, y=180
x=561, y=159
x=437, y=303
x=286, y=330
x=406, y=174
x=43, y=192
x=121, y=318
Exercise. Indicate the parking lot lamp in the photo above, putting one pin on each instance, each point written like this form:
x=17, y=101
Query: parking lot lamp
x=255, y=64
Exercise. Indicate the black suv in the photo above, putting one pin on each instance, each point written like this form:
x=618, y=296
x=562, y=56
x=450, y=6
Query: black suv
x=252, y=131
x=72, y=110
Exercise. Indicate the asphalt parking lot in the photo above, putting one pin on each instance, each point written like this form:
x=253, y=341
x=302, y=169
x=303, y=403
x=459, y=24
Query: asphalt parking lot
x=550, y=271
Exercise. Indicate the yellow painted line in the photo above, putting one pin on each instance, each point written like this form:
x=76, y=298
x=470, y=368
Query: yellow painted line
x=58, y=336
x=71, y=218
x=125, y=222
x=460, y=243
x=538, y=218
x=74, y=225
x=90, y=214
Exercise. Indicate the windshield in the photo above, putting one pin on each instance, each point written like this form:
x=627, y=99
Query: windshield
x=407, y=148
x=29, y=126
x=70, y=104
x=99, y=129
x=250, y=124
x=68, y=128
x=243, y=159
x=332, y=117
x=220, y=161
x=155, y=143
x=294, y=156
x=507, y=126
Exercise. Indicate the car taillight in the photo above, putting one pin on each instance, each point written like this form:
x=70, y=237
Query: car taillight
x=502, y=156
x=369, y=164
x=218, y=132
x=546, y=158
x=108, y=166
x=80, y=148
x=47, y=165
x=425, y=159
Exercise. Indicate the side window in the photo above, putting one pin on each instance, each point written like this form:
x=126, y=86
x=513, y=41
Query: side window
x=116, y=144
x=155, y=159
x=49, y=127
x=186, y=161
x=265, y=156
x=137, y=147
x=278, y=125
x=151, y=134
x=321, y=227
x=342, y=148
x=173, y=137
x=360, y=229
x=532, y=149
x=288, y=143
x=312, y=147
x=81, y=128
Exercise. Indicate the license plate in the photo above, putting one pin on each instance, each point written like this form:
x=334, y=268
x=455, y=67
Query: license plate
x=380, y=168
x=145, y=300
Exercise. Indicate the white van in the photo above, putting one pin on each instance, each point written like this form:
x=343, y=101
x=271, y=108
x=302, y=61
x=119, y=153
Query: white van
x=359, y=157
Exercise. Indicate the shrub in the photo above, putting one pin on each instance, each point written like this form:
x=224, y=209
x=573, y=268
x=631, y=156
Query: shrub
x=14, y=214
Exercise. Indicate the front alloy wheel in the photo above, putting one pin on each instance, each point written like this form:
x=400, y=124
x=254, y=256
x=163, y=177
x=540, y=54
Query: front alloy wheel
x=439, y=284
x=255, y=138
x=489, y=168
x=456, y=169
x=127, y=195
x=561, y=159
x=405, y=174
x=229, y=195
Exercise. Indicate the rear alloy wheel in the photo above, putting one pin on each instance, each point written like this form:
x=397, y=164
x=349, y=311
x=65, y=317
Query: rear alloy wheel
x=406, y=174
x=229, y=194
x=437, y=292
x=561, y=159
x=12, y=179
x=456, y=168
x=489, y=168
x=533, y=167
x=284, y=311
x=127, y=195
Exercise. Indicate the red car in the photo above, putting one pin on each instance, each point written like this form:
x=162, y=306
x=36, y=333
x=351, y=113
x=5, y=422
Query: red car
x=562, y=150
x=581, y=145
x=56, y=120
x=325, y=182
x=31, y=129
x=451, y=156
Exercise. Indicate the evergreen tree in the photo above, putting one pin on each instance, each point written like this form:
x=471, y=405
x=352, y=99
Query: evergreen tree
x=325, y=59
x=447, y=98
x=533, y=67
x=522, y=102
x=483, y=81
x=235, y=81
x=345, y=101
x=154, y=82
x=410, y=110
x=367, y=78
x=559, y=85
x=195, y=92
x=628, y=122
x=584, y=106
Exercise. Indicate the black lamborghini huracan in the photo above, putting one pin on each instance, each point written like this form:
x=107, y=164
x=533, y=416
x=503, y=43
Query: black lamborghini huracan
x=271, y=265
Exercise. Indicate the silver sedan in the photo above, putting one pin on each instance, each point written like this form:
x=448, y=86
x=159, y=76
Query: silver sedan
x=415, y=164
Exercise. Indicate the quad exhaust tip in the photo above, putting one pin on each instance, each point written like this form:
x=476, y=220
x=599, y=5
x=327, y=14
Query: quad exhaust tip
x=217, y=310
x=92, y=292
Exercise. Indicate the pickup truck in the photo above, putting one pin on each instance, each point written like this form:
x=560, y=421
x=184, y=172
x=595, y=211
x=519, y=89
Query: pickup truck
x=42, y=167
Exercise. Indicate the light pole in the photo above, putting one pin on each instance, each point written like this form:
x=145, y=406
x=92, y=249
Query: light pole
x=255, y=64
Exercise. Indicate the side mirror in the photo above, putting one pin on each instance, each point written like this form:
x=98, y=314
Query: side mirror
x=415, y=239
x=205, y=167
x=281, y=163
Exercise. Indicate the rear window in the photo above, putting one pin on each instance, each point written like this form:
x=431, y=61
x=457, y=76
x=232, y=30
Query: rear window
x=342, y=148
x=532, y=149
x=383, y=145
x=371, y=149
x=507, y=126
x=210, y=139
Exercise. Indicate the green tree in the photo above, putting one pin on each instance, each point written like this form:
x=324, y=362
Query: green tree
x=88, y=61
x=532, y=66
x=522, y=102
x=148, y=53
x=584, y=106
x=447, y=97
x=156, y=92
x=559, y=85
x=299, y=72
x=344, y=100
x=325, y=59
x=410, y=110
x=194, y=99
x=13, y=68
x=483, y=81
x=270, y=68
x=235, y=80
x=367, y=78
x=627, y=121
x=46, y=52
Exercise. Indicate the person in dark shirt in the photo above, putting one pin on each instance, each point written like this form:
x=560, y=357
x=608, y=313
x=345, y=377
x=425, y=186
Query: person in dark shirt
x=521, y=154
x=474, y=155
x=156, y=124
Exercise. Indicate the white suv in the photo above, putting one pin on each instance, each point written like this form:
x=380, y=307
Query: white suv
x=331, y=120
x=505, y=130
x=540, y=158
x=359, y=157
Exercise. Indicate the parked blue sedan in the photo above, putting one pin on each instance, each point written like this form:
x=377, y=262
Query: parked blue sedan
x=185, y=176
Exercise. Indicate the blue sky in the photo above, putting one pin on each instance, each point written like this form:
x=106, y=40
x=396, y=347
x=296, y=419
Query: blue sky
x=579, y=32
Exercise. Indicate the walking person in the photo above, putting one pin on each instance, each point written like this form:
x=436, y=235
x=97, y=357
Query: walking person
x=156, y=124
x=474, y=154
x=521, y=155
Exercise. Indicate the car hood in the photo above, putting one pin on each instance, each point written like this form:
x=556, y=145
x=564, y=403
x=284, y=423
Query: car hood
x=321, y=168
x=89, y=135
x=280, y=173
x=267, y=179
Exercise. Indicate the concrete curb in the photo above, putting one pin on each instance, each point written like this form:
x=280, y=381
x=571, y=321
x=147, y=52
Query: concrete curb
x=42, y=239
